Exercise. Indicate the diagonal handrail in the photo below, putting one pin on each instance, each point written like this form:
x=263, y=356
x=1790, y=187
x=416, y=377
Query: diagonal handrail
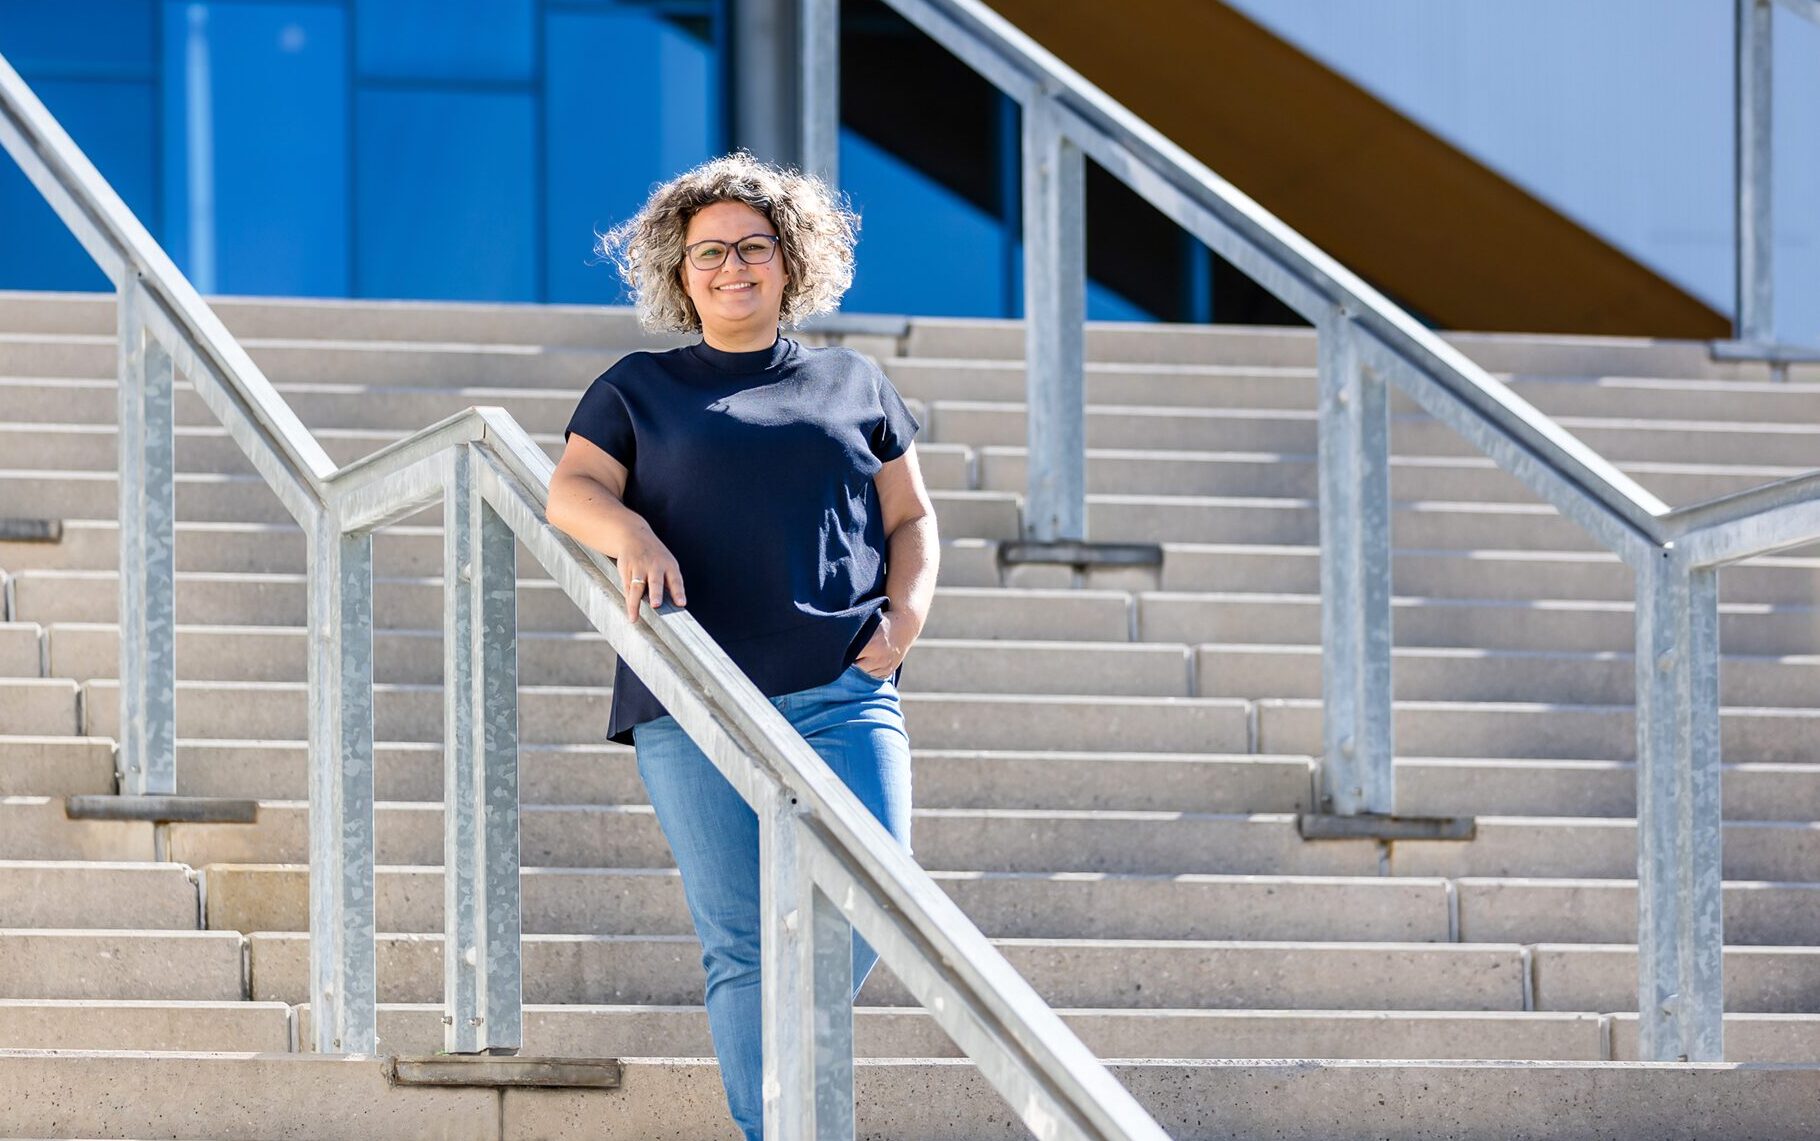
x=851, y=874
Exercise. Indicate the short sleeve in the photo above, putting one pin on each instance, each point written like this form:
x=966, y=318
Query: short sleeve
x=603, y=420
x=896, y=427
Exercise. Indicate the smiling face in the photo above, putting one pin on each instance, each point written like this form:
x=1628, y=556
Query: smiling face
x=738, y=303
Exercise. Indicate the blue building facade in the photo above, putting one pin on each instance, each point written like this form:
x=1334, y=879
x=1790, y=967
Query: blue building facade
x=471, y=149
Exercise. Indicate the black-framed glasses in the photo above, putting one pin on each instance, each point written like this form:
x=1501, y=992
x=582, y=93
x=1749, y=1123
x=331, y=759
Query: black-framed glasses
x=753, y=249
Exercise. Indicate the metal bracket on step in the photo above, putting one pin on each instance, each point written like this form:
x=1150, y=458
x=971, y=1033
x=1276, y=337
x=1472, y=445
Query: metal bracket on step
x=1368, y=826
x=498, y=1071
x=1076, y=553
x=163, y=809
x=31, y=530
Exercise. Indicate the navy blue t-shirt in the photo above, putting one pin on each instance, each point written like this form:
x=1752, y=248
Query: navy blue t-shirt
x=756, y=469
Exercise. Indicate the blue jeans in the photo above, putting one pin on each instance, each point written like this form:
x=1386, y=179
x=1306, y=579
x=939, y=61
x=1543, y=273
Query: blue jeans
x=855, y=724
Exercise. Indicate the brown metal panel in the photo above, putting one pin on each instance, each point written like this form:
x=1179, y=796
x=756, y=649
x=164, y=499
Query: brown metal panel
x=1437, y=230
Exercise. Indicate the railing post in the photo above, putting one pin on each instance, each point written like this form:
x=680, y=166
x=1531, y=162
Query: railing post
x=831, y=1007
x=1055, y=291
x=818, y=90
x=342, y=991
x=1755, y=321
x=1680, y=904
x=1356, y=766
x=483, y=983
x=148, y=513
x=807, y=978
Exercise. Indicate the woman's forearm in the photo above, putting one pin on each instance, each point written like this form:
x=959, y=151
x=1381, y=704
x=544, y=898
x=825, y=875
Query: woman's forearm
x=913, y=557
x=593, y=516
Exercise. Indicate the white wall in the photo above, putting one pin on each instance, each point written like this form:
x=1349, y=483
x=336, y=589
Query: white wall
x=1616, y=112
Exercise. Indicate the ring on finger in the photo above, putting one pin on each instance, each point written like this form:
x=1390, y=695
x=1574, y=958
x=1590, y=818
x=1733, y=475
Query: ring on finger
x=636, y=581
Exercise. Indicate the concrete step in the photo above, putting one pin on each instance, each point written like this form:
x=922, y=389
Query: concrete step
x=1549, y=625
x=436, y=355
x=1122, y=974
x=268, y=600
x=1756, y=735
x=216, y=598
x=149, y=1024
x=293, y=360
x=1492, y=573
x=1451, y=786
x=405, y=550
x=277, y=653
x=202, y=448
x=973, y=840
x=644, y=901
x=28, y=397
x=1759, y=980
x=1748, y=1037
x=1619, y=440
x=1605, y=911
x=37, y=828
x=597, y=326
x=69, y=474
x=602, y=901
x=945, y=778
x=103, y=894
x=124, y=964
x=576, y=1031
x=1466, y=674
x=21, y=649
x=1027, y=840
x=574, y=714
x=58, y=488
x=1293, y=387
x=207, y=450
x=94, y=314
x=887, y=1032
x=577, y=714
x=1415, y=478
x=1249, y=509
x=338, y=1097
x=1278, y=347
x=40, y=706
x=55, y=765
x=1586, y=847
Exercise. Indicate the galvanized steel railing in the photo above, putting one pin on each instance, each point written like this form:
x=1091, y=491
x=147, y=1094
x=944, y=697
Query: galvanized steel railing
x=1365, y=341
x=830, y=868
x=1753, y=103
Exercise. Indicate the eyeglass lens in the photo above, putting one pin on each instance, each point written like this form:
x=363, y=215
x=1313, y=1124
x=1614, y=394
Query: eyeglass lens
x=753, y=249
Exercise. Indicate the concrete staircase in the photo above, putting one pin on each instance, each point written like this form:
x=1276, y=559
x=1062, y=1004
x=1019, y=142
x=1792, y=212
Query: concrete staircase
x=1108, y=766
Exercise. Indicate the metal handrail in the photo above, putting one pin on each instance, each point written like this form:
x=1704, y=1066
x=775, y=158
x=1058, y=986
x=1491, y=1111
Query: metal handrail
x=1366, y=341
x=831, y=868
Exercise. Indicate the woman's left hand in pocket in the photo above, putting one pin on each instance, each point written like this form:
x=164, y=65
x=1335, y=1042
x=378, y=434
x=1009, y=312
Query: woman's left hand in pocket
x=884, y=653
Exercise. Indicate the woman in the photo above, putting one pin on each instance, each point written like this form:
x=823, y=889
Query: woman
x=774, y=490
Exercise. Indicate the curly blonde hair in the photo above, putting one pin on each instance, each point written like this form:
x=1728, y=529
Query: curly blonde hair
x=816, y=230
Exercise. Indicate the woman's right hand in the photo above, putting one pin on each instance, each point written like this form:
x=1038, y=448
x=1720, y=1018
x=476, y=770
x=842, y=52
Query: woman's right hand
x=586, y=503
x=648, y=569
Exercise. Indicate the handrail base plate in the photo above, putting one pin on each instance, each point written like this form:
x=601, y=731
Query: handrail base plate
x=502, y=1071
x=1374, y=826
x=163, y=809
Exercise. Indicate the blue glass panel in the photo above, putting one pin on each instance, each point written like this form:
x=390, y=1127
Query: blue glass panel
x=445, y=206
x=444, y=39
x=616, y=129
x=923, y=249
x=1105, y=305
x=114, y=125
x=111, y=38
x=255, y=118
